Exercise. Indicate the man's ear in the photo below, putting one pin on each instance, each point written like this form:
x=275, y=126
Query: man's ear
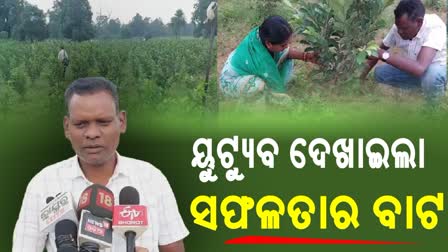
x=66, y=127
x=123, y=121
x=419, y=21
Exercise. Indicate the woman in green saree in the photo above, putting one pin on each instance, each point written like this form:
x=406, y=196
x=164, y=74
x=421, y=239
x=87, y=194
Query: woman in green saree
x=262, y=61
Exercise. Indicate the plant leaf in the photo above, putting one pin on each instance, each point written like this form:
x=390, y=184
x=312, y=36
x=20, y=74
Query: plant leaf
x=288, y=3
x=340, y=8
x=361, y=57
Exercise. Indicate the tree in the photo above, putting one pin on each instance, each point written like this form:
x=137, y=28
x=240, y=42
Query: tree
x=101, y=26
x=138, y=26
x=157, y=28
x=177, y=22
x=71, y=19
x=114, y=28
x=9, y=14
x=188, y=30
x=199, y=17
x=32, y=25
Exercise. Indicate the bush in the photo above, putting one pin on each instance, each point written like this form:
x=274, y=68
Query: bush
x=435, y=4
x=342, y=31
x=8, y=97
x=3, y=35
x=146, y=72
x=18, y=80
x=267, y=7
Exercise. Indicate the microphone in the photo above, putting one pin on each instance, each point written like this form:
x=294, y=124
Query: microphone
x=130, y=219
x=98, y=200
x=65, y=232
x=49, y=199
x=89, y=247
x=57, y=208
x=95, y=208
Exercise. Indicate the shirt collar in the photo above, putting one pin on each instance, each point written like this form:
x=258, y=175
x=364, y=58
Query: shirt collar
x=76, y=172
x=420, y=33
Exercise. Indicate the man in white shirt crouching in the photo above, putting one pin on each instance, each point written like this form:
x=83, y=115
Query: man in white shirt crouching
x=422, y=39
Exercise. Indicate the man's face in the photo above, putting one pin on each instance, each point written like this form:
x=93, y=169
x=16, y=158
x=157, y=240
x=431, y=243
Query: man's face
x=93, y=127
x=408, y=28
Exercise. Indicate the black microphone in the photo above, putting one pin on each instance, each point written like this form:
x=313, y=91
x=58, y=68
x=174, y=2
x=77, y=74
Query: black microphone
x=89, y=247
x=65, y=232
x=129, y=196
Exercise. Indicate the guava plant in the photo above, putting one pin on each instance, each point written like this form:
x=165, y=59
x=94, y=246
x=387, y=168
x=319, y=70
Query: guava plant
x=342, y=31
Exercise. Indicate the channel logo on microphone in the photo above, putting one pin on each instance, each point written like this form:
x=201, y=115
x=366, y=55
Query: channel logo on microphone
x=95, y=229
x=130, y=215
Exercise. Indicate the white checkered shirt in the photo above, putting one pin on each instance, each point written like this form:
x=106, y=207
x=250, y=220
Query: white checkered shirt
x=165, y=223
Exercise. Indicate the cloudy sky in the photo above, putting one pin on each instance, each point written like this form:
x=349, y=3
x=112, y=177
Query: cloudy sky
x=126, y=9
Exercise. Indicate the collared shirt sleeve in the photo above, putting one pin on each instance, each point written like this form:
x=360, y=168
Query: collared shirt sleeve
x=390, y=40
x=27, y=236
x=172, y=227
x=435, y=38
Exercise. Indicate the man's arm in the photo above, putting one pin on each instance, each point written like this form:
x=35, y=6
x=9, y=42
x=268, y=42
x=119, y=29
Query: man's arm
x=172, y=229
x=416, y=68
x=173, y=247
x=27, y=237
x=371, y=62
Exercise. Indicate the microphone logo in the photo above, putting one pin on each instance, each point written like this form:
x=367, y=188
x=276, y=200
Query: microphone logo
x=127, y=212
x=130, y=215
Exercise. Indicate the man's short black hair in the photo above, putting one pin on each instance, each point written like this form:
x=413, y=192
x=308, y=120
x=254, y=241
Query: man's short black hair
x=91, y=85
x=413, y=8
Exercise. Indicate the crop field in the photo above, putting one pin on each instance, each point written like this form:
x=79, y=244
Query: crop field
x=155, y=75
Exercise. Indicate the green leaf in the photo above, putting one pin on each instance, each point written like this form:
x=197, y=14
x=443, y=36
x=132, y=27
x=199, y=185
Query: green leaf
x=288, y=3
x=340, y=8
x=373, y=53
x=372, y=44
x=361, y=57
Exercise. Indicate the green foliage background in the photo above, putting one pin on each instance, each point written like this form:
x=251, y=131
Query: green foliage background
x=150, y=73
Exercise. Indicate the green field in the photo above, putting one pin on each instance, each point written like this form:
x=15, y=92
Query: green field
x=157, y=73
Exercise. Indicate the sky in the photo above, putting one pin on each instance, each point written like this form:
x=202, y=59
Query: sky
x=126, y=9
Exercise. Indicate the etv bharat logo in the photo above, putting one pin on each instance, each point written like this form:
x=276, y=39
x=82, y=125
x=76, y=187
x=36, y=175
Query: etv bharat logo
x=127, y=212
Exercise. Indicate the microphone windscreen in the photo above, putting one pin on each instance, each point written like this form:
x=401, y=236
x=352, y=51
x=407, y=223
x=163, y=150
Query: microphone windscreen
x=97, y=199
x=129, y=196
x=66, y=234
x=66, y=227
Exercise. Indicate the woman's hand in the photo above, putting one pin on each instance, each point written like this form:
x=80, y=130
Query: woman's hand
x=140, y=249
x=312, y=57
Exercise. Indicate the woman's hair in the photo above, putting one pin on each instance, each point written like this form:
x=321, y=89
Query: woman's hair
x=275, y=29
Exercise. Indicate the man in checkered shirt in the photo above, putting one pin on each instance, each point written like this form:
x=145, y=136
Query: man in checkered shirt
x=93, y=125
